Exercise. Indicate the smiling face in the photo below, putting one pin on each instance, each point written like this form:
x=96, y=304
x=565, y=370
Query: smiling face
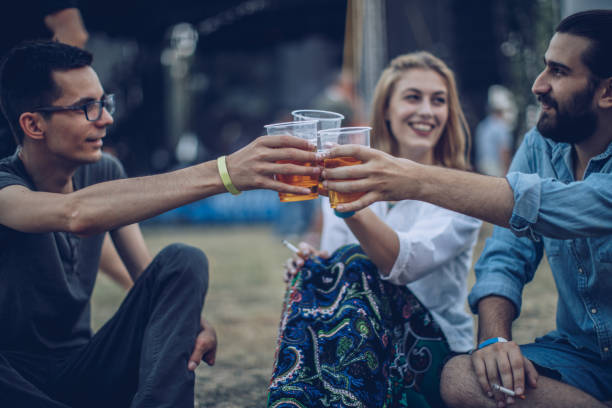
x=68, y=134
x=565, y=90
x=417, y=113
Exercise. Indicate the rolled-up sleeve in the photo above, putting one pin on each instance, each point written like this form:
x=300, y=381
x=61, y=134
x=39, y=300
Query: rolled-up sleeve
x=511, y=256
x=549, y=207
x=526, y=189
x=431, y=242
x=506, y=265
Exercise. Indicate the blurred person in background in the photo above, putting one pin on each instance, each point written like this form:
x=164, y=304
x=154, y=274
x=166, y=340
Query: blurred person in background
x=341, y=97
x=556, y=199
x=59, y=195
x=493, y=140
x=372, y=323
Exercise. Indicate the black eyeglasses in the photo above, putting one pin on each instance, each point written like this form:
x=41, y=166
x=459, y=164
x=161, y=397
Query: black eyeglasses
x=93, y=110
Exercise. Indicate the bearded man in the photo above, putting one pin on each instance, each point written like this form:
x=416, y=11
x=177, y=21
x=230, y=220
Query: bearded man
x=556, y=199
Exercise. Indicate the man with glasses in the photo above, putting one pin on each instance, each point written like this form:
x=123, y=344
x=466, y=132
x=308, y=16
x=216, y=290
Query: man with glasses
x=92, y=109
x=59, y=194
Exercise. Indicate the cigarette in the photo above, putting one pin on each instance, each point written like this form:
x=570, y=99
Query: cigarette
x=506, y=391
x=290, y=246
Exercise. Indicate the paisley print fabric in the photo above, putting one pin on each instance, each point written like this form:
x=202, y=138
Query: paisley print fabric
x=349, y=339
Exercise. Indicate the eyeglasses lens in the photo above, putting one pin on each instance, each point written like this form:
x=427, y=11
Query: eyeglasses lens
x=94, y=109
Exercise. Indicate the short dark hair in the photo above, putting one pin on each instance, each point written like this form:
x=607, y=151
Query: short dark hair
x=26, y=81
x=596, y=25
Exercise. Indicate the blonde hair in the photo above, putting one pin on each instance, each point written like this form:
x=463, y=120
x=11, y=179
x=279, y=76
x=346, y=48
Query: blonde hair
x=454, y=143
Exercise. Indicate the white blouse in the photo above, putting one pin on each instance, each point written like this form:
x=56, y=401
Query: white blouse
x=434, y=259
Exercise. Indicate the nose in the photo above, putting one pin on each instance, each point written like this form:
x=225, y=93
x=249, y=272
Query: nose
x=425, y=108
x=106, y=119
x=540, y=85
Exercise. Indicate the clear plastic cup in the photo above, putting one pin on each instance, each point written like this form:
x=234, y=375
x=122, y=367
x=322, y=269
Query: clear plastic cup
x=326, y=119
x=343, y=136
x=306, y=130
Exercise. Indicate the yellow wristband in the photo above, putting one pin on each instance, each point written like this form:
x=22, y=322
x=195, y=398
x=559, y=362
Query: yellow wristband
x=225, y=177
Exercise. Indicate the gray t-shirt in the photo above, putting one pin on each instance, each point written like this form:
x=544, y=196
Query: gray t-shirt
x=46, y=280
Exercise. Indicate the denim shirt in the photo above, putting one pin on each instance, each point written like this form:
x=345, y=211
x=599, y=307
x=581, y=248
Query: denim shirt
x=572, y=222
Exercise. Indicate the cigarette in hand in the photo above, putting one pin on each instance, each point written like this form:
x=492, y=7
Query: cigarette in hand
x=289, y=245
x=506, y=391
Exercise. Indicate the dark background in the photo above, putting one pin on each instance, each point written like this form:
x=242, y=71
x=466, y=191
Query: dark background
x=256, y=60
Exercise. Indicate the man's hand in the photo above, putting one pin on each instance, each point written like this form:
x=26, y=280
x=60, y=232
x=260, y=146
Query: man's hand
x=205, y=347
x=505, y=365
x=255, y=165
x=381, y=176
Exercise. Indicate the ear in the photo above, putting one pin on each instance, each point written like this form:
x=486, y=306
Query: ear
x=33, y=125
x=605, y=99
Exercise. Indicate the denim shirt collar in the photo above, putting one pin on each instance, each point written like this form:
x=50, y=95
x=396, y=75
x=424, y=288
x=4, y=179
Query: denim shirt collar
x=562, y=153
x=605, y=155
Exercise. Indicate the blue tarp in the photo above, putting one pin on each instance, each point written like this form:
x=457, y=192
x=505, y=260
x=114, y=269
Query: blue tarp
x=251, y=206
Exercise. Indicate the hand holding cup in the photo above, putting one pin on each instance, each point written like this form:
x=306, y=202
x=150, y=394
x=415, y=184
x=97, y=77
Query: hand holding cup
x=379, y=177
x=255, y=165
x=331, y=138
x=307, y=131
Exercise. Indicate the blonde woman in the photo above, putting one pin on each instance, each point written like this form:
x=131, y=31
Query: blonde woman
x=372, y=324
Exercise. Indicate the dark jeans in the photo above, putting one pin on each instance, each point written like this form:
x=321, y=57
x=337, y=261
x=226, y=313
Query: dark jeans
x=137, y=359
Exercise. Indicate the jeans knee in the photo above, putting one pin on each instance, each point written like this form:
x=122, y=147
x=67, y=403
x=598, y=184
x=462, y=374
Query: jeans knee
x=188, y=264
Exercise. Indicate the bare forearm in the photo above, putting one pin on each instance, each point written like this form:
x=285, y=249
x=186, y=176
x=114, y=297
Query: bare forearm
x=487, y=198
x=377, y=239
x=111, y=264
x=495, y=316
x=105, y=206
x=116, y=203
x=386, y=178
x=132, y=249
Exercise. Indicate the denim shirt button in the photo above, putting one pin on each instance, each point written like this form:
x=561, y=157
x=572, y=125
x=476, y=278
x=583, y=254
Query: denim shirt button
x=593, y=310
x=580, y=271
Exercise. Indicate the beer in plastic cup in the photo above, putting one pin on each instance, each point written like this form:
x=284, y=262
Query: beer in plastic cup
x=306, y=130
x=341, y=136
x=326, y=120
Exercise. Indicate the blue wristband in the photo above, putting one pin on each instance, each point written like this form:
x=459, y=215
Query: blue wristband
x=490, y=341
x=347, y=214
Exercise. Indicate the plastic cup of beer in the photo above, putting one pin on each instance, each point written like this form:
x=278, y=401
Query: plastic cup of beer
x=326, y=120
x=306, y=130
x=342, y=136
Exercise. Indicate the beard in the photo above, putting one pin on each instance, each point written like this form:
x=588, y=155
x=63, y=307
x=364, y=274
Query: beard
x=573, y=123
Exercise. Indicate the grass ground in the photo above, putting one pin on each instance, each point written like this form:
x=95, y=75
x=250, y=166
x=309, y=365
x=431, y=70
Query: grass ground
x=244, y=300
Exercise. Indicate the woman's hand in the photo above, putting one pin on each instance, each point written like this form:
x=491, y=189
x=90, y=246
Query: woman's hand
x=295, y=263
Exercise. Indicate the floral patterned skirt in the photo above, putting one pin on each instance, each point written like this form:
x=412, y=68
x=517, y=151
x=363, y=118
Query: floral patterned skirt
x=349, y=339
